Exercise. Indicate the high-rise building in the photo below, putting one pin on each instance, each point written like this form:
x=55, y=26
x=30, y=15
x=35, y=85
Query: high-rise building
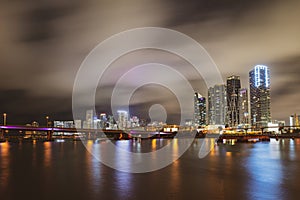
x=199, y=110
x=233, y=87
x=103, y=120
x=134, y=121
x=294, y=120
x=111, y=123
x=89, y=119
x=259, y=81
x=217, y=105
x=77, y=123
x=122, y=119
x=244, y=106
x=64, y=124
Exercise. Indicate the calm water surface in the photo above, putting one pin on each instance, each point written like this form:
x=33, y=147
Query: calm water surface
x=52, y=170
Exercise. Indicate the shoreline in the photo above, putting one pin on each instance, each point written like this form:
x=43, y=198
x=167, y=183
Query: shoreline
x=218, y=138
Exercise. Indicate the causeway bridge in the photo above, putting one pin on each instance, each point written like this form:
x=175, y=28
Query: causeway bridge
x=49, y=131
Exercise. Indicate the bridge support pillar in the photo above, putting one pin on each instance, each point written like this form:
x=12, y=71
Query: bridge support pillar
x=49, y=135
x=2, y=134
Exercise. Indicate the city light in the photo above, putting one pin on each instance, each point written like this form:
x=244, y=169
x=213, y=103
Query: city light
x=262, y=75
x=4, y=119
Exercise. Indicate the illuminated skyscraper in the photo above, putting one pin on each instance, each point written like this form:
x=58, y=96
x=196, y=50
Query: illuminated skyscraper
x=217, y=105
x=89, y=119
x=233, y=87
x=199, y=109
x=259, y=80
x=294, y=120
x=103, y=120
x=122, y=119
x=243, y=106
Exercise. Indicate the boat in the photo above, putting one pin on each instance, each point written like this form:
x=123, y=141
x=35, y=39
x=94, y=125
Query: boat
x=59, y=140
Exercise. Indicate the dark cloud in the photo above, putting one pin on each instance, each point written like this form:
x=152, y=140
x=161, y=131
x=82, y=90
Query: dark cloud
x=192, y=11
x=37, y=23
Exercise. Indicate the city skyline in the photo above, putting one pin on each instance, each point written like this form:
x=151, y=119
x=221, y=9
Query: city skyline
x=41, y=55
x=139, y=99
x=259, y=77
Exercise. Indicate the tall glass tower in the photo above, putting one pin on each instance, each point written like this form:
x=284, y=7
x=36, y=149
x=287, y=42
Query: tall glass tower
x=233, y=87
x=217, y=105
x=259, y=80
x=122, y=119
x=199, y=110
x=243, y=106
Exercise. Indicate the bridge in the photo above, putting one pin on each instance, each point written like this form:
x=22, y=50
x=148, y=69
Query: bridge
x=51, y=130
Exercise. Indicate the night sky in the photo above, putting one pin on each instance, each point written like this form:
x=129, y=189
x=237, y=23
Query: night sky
x=43, y=44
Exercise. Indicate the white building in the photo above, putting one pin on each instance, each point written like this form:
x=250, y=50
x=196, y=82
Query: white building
x=217, y=105
x=122, y=119
x=78, y=123
x=89, y=119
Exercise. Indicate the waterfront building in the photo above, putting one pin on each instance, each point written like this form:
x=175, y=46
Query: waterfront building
x=96, y=123
x=260, y=100
x=134, y=122
x=199, y=110
x=217, y=105
x=103, y=120
x=233, y=86
x=77, y=123
x=122, y=119
x=64, y=124
x=111, y=124
x=273, y=127
x=89, y=119
x=294, y=120
x=243, y=106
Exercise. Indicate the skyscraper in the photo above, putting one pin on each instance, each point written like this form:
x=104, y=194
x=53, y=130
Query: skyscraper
x=122, y=119
x=217, y=105
x=89, y=119
x=199, y=110
x=243, y=106
x=259, y=81
x=233, y=88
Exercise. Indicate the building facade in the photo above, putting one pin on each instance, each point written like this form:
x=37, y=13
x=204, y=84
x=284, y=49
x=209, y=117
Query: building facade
x=217, y=105
x=260, y=100
x=199, y=110
x=89, y=119
x=122, y=119
x=244, y=106
x=233, y=86
x=294, y=120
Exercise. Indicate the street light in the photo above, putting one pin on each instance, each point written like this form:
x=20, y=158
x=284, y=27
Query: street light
x=47, y=121
x=4, y=119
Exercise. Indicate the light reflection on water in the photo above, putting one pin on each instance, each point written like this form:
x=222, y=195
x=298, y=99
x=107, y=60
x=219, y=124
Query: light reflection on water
x=4, y=164
x=94, y=169
x=268, y=170
x=265, y=171
x=47, y=154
